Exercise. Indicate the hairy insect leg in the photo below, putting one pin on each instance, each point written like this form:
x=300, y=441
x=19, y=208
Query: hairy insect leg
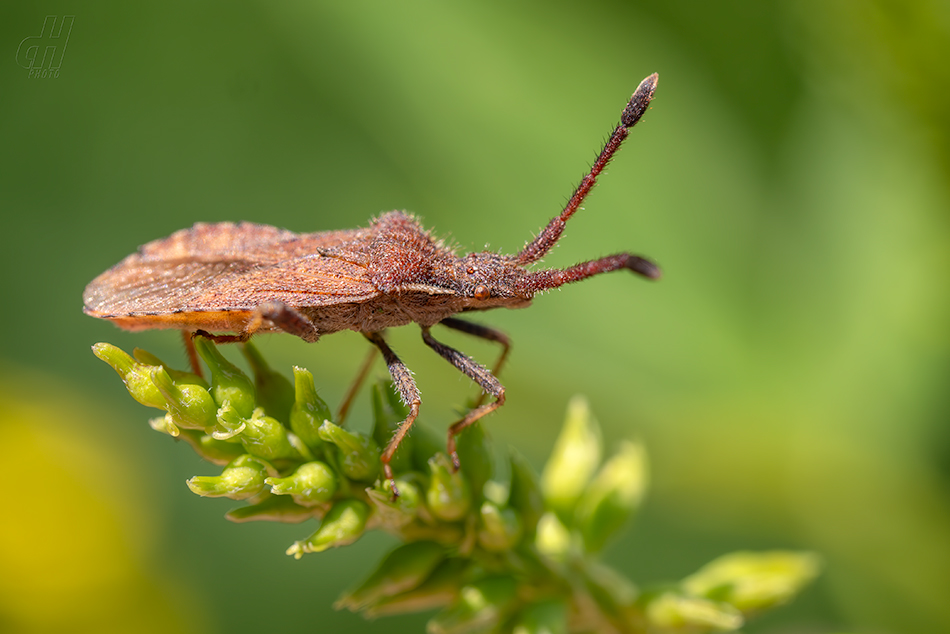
x=482, y=332
x=285, y=317
x=188, y=339
x=478, y=373
x=355, y=386
x=408, y=392
x=636, y=107
x=221, y=338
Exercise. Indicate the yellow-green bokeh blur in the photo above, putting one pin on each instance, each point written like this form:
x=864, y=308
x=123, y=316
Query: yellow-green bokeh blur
x=788, y=376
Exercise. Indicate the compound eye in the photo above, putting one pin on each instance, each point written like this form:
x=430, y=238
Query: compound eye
x=482, y=292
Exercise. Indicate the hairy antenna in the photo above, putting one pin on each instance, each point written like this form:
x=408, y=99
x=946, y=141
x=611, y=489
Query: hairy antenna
x=637, y=105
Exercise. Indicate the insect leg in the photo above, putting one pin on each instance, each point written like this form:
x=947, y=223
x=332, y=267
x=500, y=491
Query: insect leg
x=477, y=373
x=221, y=338
x=408, y=391
x=192, y=353
x=284, y=317
x=483, y=332
x=355, y=386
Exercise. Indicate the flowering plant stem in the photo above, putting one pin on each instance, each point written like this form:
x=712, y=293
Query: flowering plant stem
x=508, y=553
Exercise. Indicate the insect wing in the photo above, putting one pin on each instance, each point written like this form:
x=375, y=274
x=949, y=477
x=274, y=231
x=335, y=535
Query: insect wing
x=219, y=267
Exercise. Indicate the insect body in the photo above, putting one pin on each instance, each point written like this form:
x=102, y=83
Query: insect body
x=248, y=278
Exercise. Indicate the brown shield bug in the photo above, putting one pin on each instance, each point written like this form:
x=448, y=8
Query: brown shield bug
x=249, y=278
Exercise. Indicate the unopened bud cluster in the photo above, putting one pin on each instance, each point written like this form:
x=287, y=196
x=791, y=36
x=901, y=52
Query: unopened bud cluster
x=492, y=546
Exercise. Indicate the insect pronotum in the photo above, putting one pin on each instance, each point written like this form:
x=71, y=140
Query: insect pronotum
x=249, y=278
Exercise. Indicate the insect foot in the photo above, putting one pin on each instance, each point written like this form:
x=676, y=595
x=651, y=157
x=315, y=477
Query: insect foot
x=243, y=279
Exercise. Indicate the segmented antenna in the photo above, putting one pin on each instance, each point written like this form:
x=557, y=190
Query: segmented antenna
x=637, y=105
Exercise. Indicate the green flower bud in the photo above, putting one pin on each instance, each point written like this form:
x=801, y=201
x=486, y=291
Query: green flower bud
x=274, y=392
x=214, y=451
x=311, y=482
x=394, y=514
x=448, y=496
x=552, y=538
x=230, y=423
x=190, y=406
x=136, y=376
x=499, y=529
x=342, y=525
x=166, y=425
x=754, y=581
x=276, y=508
x=674, y=611
x=475, y=455
x=613, y=496
x=525, y=493
x=388, y=412
x=403, y=569
x=228, y=383
x=266, y=438
x=497, y=492
x=242, y=479
x=480, y=606
x=575, y=457
x=308, y=411
x=441, y=588
x=179, y=377
x=358, y=455
x=547, y=617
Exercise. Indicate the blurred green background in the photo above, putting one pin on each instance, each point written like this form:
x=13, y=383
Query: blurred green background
x=789, y=374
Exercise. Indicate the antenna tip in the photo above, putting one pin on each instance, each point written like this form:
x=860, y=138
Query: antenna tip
x=640, y=101
x=644, y=267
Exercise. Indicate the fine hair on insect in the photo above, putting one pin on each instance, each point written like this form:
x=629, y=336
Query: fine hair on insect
x=249, y=278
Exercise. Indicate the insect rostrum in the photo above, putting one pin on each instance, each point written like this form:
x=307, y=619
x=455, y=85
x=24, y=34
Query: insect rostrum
x=248, y=278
